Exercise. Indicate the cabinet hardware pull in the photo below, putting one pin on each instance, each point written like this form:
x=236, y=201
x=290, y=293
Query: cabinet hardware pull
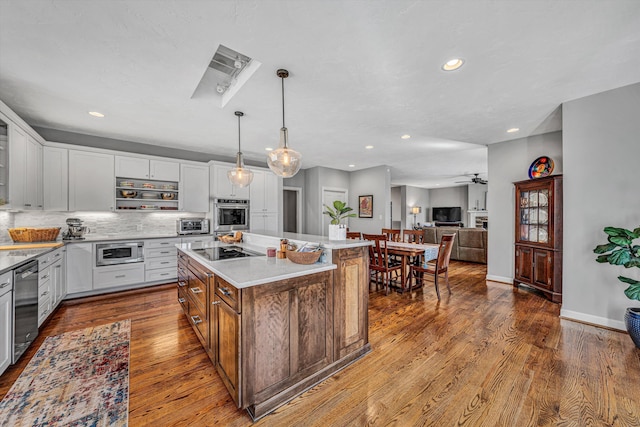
x=57, y=255
x=28, y=204
x=164, y=274
x=195, y=322
x=165, y=252
x=5, y=284
x=196, y=290
x=121, y=276
x=165, y=262
x=45, y=276
x=182, y=284
x=181, y=300
x=45, y=293
x=225, y=292
x=58, y=266
x=215, y=303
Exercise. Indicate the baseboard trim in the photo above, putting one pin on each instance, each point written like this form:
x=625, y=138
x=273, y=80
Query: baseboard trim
x=500, y=279
x=592, y=320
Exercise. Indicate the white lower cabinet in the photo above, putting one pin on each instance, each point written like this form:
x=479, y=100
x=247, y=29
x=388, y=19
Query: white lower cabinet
x=79, y=267
x=198, y=239
x=51, y=286
x=6, y=319
x=118, y=275
x=161, y=259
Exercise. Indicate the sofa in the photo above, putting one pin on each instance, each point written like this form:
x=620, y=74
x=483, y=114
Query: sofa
x=470, y=244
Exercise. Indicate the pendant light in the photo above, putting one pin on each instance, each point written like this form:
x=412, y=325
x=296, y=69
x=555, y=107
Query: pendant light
x=284, y=161
x=240, y=175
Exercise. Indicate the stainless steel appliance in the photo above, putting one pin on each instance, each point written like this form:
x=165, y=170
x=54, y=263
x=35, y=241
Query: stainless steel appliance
x=76, y=230
x=225, y=252
x=231, y=215
x=25, y=307
x=192, y=226
x=119, y=253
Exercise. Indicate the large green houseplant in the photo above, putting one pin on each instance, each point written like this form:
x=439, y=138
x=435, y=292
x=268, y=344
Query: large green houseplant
x=339, y=211
x=621, y=250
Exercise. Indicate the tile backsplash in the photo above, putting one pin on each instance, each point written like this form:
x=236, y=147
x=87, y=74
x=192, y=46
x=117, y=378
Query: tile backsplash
x=102, y=223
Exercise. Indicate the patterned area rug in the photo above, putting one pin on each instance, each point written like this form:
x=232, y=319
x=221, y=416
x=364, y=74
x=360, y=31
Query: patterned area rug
x=79, y=378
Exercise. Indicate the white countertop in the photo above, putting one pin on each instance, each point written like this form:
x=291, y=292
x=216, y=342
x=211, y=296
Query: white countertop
x=310, y=238
x=255, y=270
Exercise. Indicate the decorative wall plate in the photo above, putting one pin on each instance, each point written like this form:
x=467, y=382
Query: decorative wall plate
x=541, y=167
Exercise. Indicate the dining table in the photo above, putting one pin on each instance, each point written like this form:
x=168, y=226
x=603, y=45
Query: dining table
x=411, y=252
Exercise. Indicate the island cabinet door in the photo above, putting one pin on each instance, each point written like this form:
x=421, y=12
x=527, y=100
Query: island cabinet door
x=287, y=337
x=225, y=344
x=351, y=300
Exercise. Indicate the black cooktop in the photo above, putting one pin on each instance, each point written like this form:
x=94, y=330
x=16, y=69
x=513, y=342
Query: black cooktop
x=225, y=252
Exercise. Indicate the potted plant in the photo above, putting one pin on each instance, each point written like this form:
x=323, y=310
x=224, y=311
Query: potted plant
x=621, y=250
x=338, y=231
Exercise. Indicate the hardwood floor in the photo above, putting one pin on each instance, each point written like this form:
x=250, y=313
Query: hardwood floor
x=486, y=355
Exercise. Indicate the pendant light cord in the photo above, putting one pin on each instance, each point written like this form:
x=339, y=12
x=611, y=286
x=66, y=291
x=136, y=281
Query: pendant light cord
x=238, y=133
x=282, y=78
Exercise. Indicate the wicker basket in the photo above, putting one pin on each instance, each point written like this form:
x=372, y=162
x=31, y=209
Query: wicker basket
x=304, y=257
x=26, y=234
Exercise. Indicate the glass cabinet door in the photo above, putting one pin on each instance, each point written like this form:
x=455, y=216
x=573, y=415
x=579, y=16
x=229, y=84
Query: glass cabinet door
x=534, y=216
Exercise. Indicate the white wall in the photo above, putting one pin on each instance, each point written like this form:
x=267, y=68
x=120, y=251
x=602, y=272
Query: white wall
x=377, y=182
x=449, y=197
x=601, y=146
x=509, y=162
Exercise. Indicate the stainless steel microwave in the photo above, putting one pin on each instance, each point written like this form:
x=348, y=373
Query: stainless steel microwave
x=192, y=226
x=231, y=215
x=119, y=253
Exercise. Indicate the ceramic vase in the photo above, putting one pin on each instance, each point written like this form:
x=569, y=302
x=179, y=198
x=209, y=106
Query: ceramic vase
x=632, y=321
x=337, y=232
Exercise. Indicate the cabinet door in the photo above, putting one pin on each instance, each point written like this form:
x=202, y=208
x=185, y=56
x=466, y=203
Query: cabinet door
x=256, y=191
x=164, y=171
x=79, y=267
x=6, y=329
x=542, y=268
x=56, y=179
x=131, y=167
x=91, y=181
x=224, y=188
x=227, y=349
x=194, y=188
x=524, y=264
x=58, y=284
x=17, y=166
x=34, y=180
x=271, y=192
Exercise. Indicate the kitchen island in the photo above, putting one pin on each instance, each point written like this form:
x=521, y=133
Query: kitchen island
x=273, y=328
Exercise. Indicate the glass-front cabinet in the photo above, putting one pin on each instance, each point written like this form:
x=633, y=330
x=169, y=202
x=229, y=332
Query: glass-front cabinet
x=538, y=235
x=4, y=163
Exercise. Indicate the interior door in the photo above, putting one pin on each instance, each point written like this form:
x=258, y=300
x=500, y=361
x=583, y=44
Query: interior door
x=329, y=195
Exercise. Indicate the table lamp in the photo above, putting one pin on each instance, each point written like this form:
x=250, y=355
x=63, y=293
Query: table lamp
x=415, y=211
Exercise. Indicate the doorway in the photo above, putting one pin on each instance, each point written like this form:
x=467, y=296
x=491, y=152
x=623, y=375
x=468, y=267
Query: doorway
x=329, y=195
x=292, y=205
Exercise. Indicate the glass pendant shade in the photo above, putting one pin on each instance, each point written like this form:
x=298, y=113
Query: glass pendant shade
x=284, y=161
x=240, y=176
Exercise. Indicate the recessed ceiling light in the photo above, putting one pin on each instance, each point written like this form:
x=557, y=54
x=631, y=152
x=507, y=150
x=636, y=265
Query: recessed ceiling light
x=405, y=136
x=369, y=147
x=268, y=149
x=352, y=166
x=453, y=64
x=96, y=114
x=512, y=130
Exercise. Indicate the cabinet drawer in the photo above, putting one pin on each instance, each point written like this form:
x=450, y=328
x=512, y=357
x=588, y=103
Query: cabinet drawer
x=44, y=289
x=197, y=291
x=168, y=274
x=199, y=322
x=44, y=309
x=107, y=277
x=161, y=252
x=44, y=275
x=161, y=243
x=155, y=263
x=45, y=260
x=228, y=293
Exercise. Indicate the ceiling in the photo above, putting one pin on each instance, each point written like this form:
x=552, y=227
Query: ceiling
x=361, y=73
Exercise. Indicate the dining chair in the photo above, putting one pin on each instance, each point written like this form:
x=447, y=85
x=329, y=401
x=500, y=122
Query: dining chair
x=379, y=263
x=392, y=234
x=441, y=265
x=413, y=236
x=354, y=235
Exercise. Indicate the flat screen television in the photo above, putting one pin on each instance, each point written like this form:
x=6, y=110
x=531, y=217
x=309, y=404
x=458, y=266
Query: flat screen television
x=447, y=214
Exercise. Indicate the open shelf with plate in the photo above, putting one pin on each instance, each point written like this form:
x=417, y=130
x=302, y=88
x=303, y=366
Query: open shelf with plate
x=538, y=235
x=146, y=195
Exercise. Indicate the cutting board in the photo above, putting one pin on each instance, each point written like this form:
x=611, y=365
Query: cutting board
x=31, y=246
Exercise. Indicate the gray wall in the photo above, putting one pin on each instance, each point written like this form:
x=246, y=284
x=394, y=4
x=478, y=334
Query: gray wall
x=449, y=197
x=298, y=181
x=396, y=203
x=315, y=179
x=377, y=182
x=601, y=148
x=415, y=196
x=476, y=196
x=509, y=162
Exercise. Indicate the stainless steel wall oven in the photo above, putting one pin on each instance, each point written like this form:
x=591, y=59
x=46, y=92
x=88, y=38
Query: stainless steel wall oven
x=231, y=215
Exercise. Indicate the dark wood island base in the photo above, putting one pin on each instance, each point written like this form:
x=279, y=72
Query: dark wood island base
x=273, y=341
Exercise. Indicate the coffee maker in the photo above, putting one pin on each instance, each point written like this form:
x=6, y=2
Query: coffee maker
x=76, y=230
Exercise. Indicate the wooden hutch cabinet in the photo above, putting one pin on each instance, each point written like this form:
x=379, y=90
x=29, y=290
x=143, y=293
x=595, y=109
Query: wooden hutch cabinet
x=538, y=241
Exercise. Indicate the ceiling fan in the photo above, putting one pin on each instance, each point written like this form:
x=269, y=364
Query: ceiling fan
x=475, y=180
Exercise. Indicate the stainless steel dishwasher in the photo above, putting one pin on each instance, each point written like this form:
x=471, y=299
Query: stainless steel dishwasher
x=25, y=307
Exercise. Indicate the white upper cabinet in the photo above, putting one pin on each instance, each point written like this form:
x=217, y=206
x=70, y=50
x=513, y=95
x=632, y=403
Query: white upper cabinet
x=194, y=188
x=264, y=191
x=137, y=167
x=56, y=179
x=91, y=181
x=222, y=186
x=25, y=161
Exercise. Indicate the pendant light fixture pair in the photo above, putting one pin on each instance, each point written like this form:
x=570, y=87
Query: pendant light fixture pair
x=283, y=161
x=240, y=175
